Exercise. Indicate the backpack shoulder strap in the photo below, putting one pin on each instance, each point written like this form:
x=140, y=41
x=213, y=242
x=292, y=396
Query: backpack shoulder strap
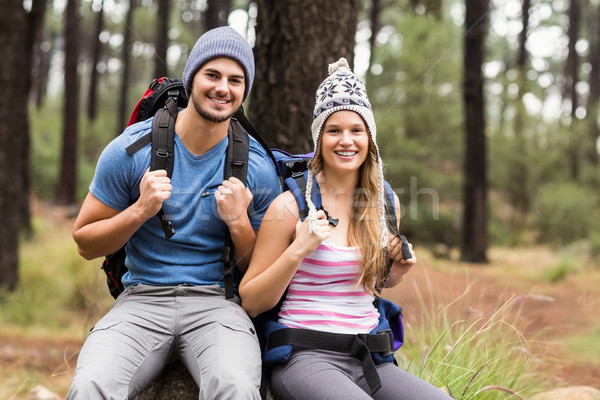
x=163, y=149
x=238, y=148
x=390, y=209
x=240, y=118
x=162, y=137
x=236, y=164
x=297, y=185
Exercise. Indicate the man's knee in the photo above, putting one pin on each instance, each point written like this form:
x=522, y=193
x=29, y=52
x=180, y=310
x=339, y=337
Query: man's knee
x=87, y=385
x=230, y=387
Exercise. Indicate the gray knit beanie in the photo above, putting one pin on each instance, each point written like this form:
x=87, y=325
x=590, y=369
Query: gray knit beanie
x=342, y=90
x=220, y=42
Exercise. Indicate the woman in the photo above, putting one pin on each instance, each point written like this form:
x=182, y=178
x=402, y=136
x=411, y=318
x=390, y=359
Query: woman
x=333, y=272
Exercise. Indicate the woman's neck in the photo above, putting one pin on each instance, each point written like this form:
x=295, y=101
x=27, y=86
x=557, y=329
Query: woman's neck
x=337, y=192
x=337, y=182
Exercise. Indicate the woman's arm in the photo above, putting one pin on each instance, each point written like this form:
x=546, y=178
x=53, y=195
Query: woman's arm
x=282, y=243
x=400, y=266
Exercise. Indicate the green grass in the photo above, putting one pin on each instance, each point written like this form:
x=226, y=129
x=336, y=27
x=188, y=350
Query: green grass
x=559, y=271
x=472, y=357
x=56, y=286
x=584, y=347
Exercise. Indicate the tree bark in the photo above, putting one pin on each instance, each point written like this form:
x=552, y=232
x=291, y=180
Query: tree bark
x=41, y=70
x=97, y=52
x=125, y=74
x=216, y=13
x=594, y=100
x=375, y=18
x=161, y=67
x=518, y=186
x=18, y=33
x=67, y=184
x=295, y=42
x=571, y=78
x=474, y=243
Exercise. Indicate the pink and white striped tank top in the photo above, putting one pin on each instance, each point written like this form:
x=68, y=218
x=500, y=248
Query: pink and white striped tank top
x=324, y=295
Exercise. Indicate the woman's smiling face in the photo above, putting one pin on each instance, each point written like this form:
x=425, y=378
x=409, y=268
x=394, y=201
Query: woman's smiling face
x=344, y=142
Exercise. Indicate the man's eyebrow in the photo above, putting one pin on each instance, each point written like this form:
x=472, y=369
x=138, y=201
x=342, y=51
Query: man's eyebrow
x=237, y=76
x=218, y=72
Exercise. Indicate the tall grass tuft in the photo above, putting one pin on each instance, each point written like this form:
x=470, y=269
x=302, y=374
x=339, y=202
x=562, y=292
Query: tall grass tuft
x=468, y=355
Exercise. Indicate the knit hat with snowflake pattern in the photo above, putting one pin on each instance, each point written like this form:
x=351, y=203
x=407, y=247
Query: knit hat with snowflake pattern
x=342, y=90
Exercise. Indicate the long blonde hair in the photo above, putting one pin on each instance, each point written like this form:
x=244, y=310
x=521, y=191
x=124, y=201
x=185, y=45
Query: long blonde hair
x=364, y=230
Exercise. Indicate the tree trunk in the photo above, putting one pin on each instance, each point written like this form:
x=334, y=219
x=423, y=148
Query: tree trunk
x=18, y=32
x=41, y=70
x=474, y=244
x=518, y=186
x=67, y=184
x=97, y=46
x=216, y=13
x=571, y=78
x=375, y=18
x=594, y=100
x=34, y=28
x=295, y=42
x=161, y=67
x=126, y=62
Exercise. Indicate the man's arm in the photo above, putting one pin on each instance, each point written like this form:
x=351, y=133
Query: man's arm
x=233, y=199
x=100, y=230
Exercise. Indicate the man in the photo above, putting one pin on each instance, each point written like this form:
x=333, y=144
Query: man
x=174, y=305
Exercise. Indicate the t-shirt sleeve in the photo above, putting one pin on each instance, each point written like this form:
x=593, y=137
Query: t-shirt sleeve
x=117, y=176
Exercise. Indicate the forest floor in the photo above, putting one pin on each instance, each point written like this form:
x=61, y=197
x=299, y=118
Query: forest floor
x=560, y=319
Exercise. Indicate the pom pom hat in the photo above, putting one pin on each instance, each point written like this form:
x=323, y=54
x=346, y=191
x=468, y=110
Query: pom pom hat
x=342, y=90
x=220, y=42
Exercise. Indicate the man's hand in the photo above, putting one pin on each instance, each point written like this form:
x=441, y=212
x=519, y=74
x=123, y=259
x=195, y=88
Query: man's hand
x=233, y=198
x=155, y=188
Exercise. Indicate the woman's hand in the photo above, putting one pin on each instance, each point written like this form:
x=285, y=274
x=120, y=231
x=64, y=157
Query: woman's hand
x=400, y=266
x=395, y=251
x=309, y=241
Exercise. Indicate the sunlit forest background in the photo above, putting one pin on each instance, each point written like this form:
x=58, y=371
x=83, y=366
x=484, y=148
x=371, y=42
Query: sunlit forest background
x=540, y=73
x=488, y=122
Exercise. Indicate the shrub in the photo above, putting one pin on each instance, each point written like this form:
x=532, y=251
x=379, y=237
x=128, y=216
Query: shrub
x=565, y=212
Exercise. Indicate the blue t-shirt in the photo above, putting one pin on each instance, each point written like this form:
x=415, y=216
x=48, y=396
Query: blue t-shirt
x=192, y=255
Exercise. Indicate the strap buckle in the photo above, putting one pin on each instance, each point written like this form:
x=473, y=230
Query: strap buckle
x=391, y=338
x=226, y=255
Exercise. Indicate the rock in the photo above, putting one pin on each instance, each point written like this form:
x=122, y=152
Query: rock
x=174, y=383
x=570, y=393
x=39, y=392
